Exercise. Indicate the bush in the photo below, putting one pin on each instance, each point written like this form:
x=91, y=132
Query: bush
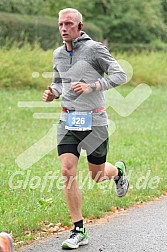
x=17, y=66
x=148, y=67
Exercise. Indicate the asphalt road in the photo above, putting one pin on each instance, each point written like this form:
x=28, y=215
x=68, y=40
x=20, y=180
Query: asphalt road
x=136, y=230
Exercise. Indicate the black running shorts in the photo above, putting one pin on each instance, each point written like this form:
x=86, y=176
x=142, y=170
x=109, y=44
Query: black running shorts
x=94, y=141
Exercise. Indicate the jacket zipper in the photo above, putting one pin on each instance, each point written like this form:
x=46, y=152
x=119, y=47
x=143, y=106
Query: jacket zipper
x=70, y=59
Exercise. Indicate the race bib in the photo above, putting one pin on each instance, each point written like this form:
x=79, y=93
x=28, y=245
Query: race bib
x=79, y=121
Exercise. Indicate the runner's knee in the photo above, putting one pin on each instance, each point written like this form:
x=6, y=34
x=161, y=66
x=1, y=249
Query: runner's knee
x=68, y=167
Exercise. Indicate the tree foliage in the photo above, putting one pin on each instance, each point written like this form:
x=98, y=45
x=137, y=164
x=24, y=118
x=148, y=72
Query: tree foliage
x=122, y=21
x=130, y=21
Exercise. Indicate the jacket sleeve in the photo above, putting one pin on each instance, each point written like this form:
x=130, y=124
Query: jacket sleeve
x=56, y=80
x=116, y=75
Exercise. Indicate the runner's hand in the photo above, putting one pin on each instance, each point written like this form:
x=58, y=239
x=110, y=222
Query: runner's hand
x=48, y=95
x=81, y=87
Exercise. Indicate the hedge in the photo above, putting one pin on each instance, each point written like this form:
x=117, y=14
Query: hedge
x=16, y=27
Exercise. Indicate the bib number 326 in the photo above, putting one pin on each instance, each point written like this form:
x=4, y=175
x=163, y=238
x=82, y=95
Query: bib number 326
x=79, y=121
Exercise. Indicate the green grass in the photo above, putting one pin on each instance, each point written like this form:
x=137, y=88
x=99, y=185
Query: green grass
x=139, y=139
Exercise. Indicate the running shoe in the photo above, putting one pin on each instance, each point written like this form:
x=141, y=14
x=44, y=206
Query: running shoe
x=77, y=238
x=122, y=183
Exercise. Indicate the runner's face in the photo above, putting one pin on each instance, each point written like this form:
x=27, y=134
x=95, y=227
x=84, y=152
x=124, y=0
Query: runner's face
x=68, y=27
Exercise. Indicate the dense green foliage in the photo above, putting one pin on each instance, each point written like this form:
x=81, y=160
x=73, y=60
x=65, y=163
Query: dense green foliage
x=120, y=21
x=132, y=21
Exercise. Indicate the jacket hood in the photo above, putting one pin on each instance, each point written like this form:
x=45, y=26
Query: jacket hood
x=83, y=36
x=76, y=41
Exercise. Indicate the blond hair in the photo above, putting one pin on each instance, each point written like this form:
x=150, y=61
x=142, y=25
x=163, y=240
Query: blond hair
x=71, y=10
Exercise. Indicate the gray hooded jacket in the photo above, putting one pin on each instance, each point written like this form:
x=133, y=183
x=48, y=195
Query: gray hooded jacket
x=88, y=63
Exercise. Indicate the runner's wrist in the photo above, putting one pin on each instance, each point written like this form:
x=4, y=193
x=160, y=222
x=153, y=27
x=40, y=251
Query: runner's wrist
x=55, y=94
x=95, y=86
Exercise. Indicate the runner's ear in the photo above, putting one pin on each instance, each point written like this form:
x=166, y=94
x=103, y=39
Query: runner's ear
x=79, y=26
